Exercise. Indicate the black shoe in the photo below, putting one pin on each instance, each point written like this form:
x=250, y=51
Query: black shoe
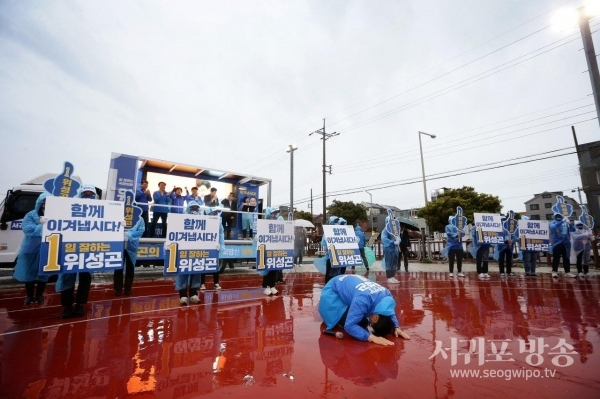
x=78, y=311
x=38, y=299
x=118, y=292
x=127, y=292
x=28, y=300
x=67, y=312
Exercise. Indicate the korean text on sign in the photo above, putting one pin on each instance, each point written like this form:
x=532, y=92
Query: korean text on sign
x=275, y=248
x=342, y=246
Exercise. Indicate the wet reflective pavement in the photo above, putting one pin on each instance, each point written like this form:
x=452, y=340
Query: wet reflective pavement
x=239, y=343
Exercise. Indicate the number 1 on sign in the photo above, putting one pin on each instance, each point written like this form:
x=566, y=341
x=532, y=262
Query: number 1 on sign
x=172, y=248
x=334, y=259
x=53, y=241
x=260, y=252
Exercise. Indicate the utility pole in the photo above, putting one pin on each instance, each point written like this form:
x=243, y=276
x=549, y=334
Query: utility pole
x=590, y=57
x=311, y=205
x=324, y=137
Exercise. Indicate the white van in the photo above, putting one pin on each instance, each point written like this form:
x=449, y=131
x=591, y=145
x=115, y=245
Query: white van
x=18, y=201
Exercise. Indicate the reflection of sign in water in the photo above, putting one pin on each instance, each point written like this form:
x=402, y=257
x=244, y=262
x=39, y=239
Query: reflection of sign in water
x=534, y=235
x=63, y=185
x=342, y=246
x=488, y=228
x=81, y=235
x=275, y=245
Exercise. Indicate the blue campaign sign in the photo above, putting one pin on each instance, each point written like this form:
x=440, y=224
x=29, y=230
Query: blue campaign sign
x=562, y=208
x=81, y=235
x=255, y=221
x=342, y=246
x=245, y=251
x=275, y=245
x=459, y=221
x=121, y=176
x=133, y=213
x=149, y=251
x=290, y=216
x=393, y=224
x=510, y=225
x=586, y=218
x=63, y=184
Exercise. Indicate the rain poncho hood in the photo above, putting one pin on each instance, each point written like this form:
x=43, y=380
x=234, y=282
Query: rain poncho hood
x=87, y=187
x=191, y=204
x=360, y=237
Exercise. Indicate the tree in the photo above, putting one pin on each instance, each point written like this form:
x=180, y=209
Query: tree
x=347, y=210
x=436, y=212
x=303, y=215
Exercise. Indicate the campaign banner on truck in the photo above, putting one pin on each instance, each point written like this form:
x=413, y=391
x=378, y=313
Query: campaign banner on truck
x=121, y=176
x=342, y=246
x=488, y=228
x=192, y=244
x=534, y=235
x=81, y=235
x=275, y=244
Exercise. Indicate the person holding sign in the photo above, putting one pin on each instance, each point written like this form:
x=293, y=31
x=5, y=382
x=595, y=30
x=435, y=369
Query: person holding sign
x=580, y=248
x=66, y=281
x=454, y=247
x=360, y=236
x=529, y=258
x=328, y=273
x=270, y=277
x=214, y=212
x=481, y=252
x=504, y=250
x=390, y=251
x=132, y=238
x=191, y=281
x=28, y=260
x=363, y=308
x=560, y=240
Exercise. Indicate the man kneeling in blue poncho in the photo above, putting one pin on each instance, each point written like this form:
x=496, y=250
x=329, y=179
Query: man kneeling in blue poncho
x=362, y=307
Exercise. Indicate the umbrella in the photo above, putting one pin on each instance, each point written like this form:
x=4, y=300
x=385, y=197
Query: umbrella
x=411, y=224
x=303, y=223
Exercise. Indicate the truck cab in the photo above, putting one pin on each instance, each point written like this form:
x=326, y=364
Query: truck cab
x=18, y=202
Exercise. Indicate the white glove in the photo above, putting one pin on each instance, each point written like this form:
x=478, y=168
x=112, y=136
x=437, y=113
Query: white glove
x=218, y=247
x=397, y=242
x=43, y=220
x=126, y=235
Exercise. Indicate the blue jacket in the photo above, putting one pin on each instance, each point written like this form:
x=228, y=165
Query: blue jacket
x=363, y=298
x=559, y=233
x=133, y=240
x=177, y=200
x=452, y=240
x=28, y=259
x=189, y=198
x=360, y=236
x=142, y=199
x=161, y=202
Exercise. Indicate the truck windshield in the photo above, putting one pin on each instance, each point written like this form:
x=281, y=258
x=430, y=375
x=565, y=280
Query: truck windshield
x=17, y=204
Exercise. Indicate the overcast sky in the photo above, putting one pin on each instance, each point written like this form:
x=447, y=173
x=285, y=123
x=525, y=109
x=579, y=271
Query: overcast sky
x=228, y=84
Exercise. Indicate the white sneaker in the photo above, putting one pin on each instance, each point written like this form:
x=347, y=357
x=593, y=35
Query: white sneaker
x=487, y=276
x=512, y=275
x=267, y=291
x=554, y=275
x=502, y=275
x=569, y=275
x=460, y=274
x=183, y=301
x=392, y=280
x=195, y=299
x=451, y=275
x=581, y=275
x=274, y=291
x=202, y=287
x=481, y=275
x=217, y=287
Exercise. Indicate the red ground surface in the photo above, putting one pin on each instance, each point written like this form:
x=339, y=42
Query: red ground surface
x=238, y=343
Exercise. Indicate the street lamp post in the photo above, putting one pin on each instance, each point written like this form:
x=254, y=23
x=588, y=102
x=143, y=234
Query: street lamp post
x=291, y=148
x=371, y=214
x=423, y=163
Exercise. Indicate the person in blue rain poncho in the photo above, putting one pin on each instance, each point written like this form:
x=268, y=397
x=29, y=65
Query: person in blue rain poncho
x=581, y=240
x=363, y=308
x=390, y=253
x=503, y=252
x=481, y=252
x=28, y=260
x=560, y=244
x=270, y=277
x=360, y=236
x=529, y=258
x=132, y=243
x=66, y=281
x=454, y=248
x=215, y=212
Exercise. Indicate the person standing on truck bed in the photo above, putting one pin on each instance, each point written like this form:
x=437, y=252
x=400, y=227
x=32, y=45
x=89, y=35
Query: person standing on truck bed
x=211, y=199
x=162, y=200
x=66, y=281
x=177, y=200
x=28, y=260
x=142, y=197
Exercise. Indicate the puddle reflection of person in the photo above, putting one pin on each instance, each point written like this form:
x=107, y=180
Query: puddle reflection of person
x=365, y=309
